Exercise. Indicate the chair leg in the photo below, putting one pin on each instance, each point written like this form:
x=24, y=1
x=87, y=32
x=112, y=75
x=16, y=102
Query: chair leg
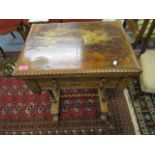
x=27, y=29
x=125, y=23
x=141, y=32
x=22, y=34
x=2, y=52
x=13, y=34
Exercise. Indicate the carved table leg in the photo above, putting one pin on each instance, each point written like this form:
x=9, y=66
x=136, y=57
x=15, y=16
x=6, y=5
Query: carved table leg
x=103, y=104
x=55, y=104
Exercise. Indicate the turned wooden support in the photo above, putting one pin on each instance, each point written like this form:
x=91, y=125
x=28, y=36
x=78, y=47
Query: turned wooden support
x=54, y=92
x=102, y=101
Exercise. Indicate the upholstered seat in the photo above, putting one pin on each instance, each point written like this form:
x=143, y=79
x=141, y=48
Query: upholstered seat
x=147, y=78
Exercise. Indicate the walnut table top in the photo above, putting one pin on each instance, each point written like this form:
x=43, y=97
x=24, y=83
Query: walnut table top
x=76, y=49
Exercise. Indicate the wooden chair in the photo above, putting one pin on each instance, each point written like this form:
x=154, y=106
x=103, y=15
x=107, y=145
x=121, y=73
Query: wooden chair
x=139, y=29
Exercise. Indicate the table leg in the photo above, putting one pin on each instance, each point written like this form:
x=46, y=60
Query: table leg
x=55, y=104
x=33, y=84
x=122, y=84
x=103, y=104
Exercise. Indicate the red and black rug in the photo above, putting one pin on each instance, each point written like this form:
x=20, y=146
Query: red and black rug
x=23, y=112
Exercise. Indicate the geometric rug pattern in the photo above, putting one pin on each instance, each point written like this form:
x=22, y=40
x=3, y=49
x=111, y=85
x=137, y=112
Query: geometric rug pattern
x=144, y=106
x=23, y=112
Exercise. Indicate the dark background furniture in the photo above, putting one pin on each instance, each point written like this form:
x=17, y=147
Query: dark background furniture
x=141, y=30
x=10, y=25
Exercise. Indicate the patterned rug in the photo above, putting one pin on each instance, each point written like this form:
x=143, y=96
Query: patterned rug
x=144, y=106
x=23, y=112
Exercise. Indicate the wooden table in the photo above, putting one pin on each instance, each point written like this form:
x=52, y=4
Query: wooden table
x=87, y=54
